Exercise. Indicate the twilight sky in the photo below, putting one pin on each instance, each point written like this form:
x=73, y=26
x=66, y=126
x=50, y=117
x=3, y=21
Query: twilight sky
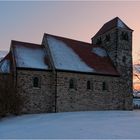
x=28, y=21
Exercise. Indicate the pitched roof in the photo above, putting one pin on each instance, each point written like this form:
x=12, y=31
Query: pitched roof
x=5, y=65
x=3, y=54
x=74, y=55
x=116, y=22
x=29, y=55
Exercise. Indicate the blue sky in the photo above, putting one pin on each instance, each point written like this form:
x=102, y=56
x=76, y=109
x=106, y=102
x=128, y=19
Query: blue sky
x=27, y=21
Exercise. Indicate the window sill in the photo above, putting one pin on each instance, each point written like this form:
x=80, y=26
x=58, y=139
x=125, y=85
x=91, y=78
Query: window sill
x=36, y=87
x=72, y=89
x=89, y=90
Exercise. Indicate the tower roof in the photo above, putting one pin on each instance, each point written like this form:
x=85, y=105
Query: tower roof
x=116, y=22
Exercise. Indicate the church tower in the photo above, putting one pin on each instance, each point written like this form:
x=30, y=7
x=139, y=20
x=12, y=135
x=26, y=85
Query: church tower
x=116, y=37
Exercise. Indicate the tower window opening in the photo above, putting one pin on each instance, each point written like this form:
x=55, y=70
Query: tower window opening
x=107, y=38
x=124, y=59
x=99, y=41
x=124, y=36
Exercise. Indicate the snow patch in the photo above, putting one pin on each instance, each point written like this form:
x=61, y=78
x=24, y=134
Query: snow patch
x=5, y=66
x=99, y=51
x=65, y=58
x=3, y=54
x=30, y=58
x=121, y=24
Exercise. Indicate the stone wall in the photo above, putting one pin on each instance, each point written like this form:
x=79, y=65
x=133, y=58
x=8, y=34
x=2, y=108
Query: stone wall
x=5, y=80
x=36, y=99
x=49, y=98
x=82, y=99
x=120, y=52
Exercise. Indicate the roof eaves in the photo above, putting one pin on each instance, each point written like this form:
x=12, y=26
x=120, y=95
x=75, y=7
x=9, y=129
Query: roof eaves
x=90, y=73
x=33, y=69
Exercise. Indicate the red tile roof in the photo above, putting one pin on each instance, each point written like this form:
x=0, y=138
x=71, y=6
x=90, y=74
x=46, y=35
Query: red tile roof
x=101, y=65
x=110, y=25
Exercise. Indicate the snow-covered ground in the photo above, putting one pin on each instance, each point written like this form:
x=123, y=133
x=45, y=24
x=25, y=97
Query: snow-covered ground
x=95, y=124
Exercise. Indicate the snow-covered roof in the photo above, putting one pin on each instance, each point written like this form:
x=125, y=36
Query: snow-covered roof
x=28, y=55
x=5, y=64
x=65, y=58
x=99, y=51
x=3, y=54
x=73, y=55
x=5, y=67
x=120, y=24
x=116, y=22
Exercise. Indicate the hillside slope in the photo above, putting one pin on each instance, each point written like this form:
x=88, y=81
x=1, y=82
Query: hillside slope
x=96, y=124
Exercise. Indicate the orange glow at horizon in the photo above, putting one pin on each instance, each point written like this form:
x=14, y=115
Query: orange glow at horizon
x=136, y=86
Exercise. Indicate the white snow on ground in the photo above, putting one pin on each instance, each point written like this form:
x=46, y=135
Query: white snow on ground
x=99, y=51
x=95, y=125
x=65, y=58
x=121, y=24
x=30, y=58
x=5, y=66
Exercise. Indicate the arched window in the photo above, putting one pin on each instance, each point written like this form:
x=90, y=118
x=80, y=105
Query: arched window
x=104, y=86
x=99, y=41
x=124, y=59
x=35, y=82
x=89, y=84
x=72, y=84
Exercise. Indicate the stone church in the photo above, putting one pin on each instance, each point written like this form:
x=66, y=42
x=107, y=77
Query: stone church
x=63, y=74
